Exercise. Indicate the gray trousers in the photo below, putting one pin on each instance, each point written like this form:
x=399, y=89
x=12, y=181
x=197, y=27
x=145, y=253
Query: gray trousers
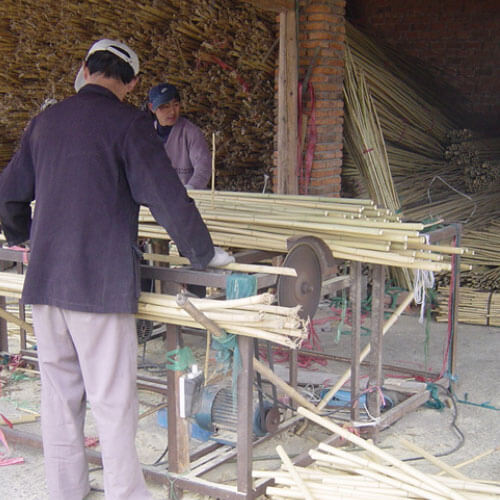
x=87, y=356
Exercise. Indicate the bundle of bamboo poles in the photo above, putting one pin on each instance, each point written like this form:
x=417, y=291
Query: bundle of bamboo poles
x=414, y=126
x=353, y=229
x=477, y=157
x=255, y=316
x=219, y=53
x=440, y=170
x=475, y=306
x=336, y=473
x=365, y=142
x=364, y=138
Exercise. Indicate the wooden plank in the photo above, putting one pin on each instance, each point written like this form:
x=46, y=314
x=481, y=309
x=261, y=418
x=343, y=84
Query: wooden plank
x=245, y=416
x=4, y=336
x=407, y=406
x=273, y=5
x=355, y=296
x=287, y=181
x=178, y=430
x=374, y=399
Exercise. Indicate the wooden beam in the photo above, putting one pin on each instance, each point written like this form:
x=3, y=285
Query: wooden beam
x=287, y=181
x=274, y=5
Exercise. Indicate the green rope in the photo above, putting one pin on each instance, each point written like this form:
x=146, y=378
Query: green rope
x=227, y=356
x=179, y=359
x=238, y=285
x=486, y=405
x=434, y=401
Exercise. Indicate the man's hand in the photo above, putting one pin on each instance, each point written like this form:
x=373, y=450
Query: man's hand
x=220, y=258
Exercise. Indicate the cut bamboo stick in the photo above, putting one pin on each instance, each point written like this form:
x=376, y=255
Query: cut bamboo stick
x=291, y=468
x=432, y=459
x=242, y=268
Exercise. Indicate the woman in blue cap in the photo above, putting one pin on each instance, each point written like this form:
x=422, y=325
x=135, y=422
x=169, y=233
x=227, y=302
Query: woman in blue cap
x=183, y=141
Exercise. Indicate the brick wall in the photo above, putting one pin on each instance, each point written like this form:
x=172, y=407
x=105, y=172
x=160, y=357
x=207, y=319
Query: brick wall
x=322, y=32
x=458, y=39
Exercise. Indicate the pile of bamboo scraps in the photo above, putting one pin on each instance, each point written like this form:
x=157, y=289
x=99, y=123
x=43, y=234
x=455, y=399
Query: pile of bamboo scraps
x=353, y=229
x=374, y=475
x=252, y=316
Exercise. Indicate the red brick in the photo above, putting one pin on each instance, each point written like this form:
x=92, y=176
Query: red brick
x=317, y=7
x=331, y=18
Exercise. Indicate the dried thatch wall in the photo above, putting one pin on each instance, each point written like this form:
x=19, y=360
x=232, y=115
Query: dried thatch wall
x=219, y=52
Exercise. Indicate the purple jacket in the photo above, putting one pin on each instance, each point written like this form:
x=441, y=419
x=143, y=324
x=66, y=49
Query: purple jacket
x=189, y=154
x=90, y=161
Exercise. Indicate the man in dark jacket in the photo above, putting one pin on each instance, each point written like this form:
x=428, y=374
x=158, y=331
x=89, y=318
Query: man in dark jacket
x=90, y=161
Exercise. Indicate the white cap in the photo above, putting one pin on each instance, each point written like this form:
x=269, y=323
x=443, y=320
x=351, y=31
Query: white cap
x=117, y=48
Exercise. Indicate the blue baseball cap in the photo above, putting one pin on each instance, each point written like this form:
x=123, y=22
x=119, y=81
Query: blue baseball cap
x=162, y=93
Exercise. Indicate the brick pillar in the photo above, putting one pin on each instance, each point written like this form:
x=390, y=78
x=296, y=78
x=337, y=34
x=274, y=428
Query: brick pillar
x=322, y=33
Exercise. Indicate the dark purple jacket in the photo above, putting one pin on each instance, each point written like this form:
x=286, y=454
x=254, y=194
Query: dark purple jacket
x=89, y=162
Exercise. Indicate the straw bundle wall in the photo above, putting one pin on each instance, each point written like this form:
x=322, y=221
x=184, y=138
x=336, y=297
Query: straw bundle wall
x=220, y=54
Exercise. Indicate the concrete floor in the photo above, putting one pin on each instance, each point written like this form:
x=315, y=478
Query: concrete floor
x=477, y=375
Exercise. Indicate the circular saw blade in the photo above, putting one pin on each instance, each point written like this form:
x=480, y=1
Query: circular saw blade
x=305, y=289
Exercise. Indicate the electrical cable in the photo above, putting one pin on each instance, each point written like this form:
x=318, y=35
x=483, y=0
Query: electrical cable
x=453, y=425
x=158, y=461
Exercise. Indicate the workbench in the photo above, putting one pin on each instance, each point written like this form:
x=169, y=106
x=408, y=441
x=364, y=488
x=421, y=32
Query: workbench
x=184, y=470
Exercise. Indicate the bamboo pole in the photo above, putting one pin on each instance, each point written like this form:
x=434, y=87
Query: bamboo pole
x=286, y=388
x=347, y=374
x=14, y=319
x=432, y=459
x=474, y=459
x=235, y=266
x=291, y=468
x=369, y=468
x=277, y=324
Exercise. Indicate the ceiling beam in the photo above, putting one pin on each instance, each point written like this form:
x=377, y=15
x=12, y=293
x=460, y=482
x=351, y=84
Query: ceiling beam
x=274, y=5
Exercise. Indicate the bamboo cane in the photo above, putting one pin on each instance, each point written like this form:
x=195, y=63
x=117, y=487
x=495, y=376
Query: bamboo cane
x=387, y=475
x=14, y=319
x=347, y=374
x=431, y=458
x=291, y=468
x=242, y=268
x=473, y=459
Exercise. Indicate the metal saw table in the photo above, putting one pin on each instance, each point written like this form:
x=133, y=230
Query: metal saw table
x=314, y=263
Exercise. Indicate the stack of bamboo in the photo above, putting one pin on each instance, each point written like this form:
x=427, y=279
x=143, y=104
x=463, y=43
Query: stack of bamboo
x=220, y=53
x=440, y=172
x=477, y=157
x=364, y=138
x=480, y=285
x=475, y=307
x=376, y=474
x=255, y=316
x=414, y=127
x=353, y=229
